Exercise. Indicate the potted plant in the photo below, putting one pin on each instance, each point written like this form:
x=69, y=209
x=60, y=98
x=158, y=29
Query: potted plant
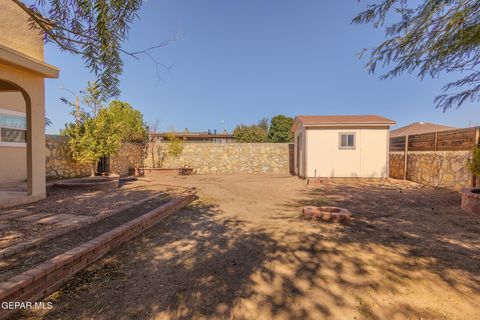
x=471, y=196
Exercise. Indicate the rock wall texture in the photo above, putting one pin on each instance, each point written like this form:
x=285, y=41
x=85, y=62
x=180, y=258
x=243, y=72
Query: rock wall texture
x=446, y=169
x=225, y=157
x=130, y=156
x=59, y=164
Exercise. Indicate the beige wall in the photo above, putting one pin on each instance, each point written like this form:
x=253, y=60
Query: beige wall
x=13, y=160
x=299, y=152
x=33, y=86
x=15, y=31
x=324, y=158
x=12, y=101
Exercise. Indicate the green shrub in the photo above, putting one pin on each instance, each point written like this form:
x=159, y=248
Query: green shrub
x=473, y=164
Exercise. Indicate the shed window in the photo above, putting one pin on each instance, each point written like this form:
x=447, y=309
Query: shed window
x=347, y=140
x=13, y=128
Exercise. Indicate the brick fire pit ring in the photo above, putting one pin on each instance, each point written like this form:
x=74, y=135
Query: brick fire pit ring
x=328, y=214
x=90, y=183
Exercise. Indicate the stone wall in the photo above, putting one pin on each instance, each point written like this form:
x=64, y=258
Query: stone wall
x=396, y=165
x=130, y=156
x=59, y=164
x=446, y=169
x=226, y=157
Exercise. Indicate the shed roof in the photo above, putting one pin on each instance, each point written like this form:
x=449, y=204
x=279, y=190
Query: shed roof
x=341, y=120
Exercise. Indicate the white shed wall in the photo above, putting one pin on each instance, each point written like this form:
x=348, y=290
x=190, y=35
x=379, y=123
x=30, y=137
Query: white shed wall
x=369, y=159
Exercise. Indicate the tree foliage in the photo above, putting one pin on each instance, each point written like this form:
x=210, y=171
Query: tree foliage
x=93, y=137
x=93, y=29
x=253, y=133
x=102, y=135
x=133, y=128
x=473, y=164
x=280, y=129
x=429, y=37
x=172, y=149
x=275, y=130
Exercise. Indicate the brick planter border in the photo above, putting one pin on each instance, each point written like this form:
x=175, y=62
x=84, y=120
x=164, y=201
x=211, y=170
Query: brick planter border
x=22, y=246
x=49, y=276
x=470, y=200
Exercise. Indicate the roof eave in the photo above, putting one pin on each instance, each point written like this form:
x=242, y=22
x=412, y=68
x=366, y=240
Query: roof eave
x=23, y=61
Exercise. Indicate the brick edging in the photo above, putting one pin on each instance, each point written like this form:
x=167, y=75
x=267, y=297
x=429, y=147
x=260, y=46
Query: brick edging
x=22, y=246
x=49, y=276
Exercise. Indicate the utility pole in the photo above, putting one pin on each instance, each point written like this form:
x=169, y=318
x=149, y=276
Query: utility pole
x=77, y=104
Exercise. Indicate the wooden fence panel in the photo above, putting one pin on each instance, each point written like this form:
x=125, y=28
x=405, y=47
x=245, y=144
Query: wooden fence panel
x=450, y=140
x=421, y=142
x=461, y=139
x=397, y=144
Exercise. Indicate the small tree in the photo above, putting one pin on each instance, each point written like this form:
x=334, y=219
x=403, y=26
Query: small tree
x=94, y=137
x=173, y=148
x=280, y=129
x=132, y=128
x=152, y=133
x=473, y=164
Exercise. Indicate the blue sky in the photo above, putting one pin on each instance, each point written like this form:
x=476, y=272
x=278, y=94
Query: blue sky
x=240, y=61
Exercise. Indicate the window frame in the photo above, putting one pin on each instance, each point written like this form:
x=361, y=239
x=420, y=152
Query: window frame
x=11, y=143
x=340, y=134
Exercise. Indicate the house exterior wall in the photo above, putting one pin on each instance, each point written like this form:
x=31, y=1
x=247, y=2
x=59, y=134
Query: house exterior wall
x=32, y=86
x=369, y=158
x=13, y=159
x=15, y=32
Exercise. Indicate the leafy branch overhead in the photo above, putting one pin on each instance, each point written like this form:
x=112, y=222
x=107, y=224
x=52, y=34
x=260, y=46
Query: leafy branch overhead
x=429, y=37
x=93, y=29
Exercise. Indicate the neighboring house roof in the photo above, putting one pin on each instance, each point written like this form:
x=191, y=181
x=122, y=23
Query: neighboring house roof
x=419, y=128
x=188, y=134
x=341, y=120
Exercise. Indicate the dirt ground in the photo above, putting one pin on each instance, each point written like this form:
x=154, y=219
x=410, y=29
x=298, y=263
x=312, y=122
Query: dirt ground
x=242, y=252
x=72, y=204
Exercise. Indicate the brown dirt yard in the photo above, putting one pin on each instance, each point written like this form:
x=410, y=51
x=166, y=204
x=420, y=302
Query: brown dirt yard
x=242, y=252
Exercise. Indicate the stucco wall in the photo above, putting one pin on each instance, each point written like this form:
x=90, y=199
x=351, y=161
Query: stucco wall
x=13, y=160
x=12, y=101
x=326, y=159
x=15, y=31
x=228, y=157
x=34, y=88
x=444, y=169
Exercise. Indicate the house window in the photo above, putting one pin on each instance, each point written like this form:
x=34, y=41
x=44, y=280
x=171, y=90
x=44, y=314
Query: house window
x=13, y=128
x=347, y=140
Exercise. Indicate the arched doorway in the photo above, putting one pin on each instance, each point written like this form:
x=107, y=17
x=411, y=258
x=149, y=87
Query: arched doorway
x=15, y=140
